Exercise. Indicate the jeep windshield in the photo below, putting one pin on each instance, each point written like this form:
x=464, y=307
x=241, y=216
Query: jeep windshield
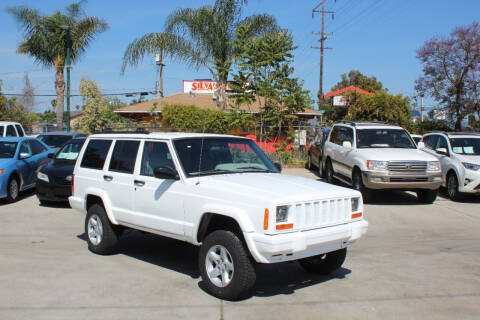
x=384, y=138
x=7, y=149
x=223, y=155
x=466, y=146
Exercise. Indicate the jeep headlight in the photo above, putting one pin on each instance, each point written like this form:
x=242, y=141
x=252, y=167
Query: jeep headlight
x=471, y=166
x=282, y=213
x=377, y=165
x=433, y=166
x=356, y=204
x=42, y=176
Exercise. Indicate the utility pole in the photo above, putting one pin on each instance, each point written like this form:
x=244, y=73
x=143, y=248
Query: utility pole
x=322, y=48
x=421, y=107
x=159, y=63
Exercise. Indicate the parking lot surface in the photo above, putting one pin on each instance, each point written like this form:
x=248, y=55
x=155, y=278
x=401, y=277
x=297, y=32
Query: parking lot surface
x=415, y=262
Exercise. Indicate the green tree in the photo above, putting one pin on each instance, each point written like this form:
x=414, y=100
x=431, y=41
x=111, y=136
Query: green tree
x=381, y=106
x=44, y=39
x=265, y=78
x=358, y=79
x=11, y=110
x=98, y=111
x=451, y=69
x=208, y=33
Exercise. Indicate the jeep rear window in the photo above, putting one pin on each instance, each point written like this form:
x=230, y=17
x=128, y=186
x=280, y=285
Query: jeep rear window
x=124, y=155
x=95, y=154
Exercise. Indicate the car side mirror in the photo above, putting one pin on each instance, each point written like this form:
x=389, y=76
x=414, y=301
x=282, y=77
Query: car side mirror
x=442, y=151
x=347, y=144
x=165, y=173
x=24, y=155
x=420, y=145
x=278, y=165
x=51, y=155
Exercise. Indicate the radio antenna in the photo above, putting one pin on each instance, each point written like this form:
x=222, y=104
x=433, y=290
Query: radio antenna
x=201, y=150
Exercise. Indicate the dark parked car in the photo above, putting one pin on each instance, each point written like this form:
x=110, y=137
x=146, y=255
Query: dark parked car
x=315, y=151
x=54, y=179
x=56, y=139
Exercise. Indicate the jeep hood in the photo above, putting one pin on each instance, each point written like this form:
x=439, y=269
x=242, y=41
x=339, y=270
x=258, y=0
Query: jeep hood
x=396, y=154
x=279, y=188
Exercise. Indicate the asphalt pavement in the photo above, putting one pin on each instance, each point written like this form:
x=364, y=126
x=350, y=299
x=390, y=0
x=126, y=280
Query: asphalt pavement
x=416, y=262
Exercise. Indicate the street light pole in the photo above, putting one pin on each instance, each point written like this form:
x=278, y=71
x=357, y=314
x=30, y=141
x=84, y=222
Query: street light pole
x=67, y=65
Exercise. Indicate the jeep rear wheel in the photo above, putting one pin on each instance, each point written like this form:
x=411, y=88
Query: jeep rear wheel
x=102, y=236
x=324, y=263
x=225, y=266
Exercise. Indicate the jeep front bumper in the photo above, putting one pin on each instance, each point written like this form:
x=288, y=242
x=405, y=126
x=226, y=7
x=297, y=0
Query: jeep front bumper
x=388, y=180
x=303, y=244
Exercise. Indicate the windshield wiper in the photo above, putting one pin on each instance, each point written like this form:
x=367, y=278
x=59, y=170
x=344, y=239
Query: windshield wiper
x=255, y=169
x=211, y=172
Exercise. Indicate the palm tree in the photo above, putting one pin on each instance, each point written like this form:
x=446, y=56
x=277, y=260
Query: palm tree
x=203, y=37
x=44, y=39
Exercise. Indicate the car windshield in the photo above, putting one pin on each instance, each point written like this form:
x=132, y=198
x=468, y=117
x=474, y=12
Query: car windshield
x=466, y=146
x=54, y=140
x=384, y=138
x=7, y=149
x=69, y=151
x=221, y=156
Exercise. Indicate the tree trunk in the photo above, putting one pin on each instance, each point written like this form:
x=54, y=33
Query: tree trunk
x=222, y=95
x=60, y=89
x=458, y=122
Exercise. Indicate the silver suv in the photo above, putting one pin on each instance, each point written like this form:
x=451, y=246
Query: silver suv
x=459, y=153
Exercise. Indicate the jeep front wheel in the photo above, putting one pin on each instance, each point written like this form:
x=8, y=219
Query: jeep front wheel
x=324, y=263
x=225, y=266
x=102, y=236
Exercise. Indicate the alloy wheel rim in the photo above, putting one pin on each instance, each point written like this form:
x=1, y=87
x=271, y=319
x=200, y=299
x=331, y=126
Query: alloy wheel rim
x=14, y=189
x=219, y=266
x=95, y=229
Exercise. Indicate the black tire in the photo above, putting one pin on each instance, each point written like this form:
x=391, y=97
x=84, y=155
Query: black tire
x=243, y=271
x=427, y=196
x=109, y=233
x=329, y=172
x=13, y=190
x=452, y=187
x=309, y=162
x=321, y=172
x=324, y=263
x=357, y=184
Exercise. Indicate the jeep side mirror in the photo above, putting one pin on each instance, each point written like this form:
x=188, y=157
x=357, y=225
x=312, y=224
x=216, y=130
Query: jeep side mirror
x=165, y=173
x=24, y=155
x=278, y=165
x=347, y=144
x=420, y=145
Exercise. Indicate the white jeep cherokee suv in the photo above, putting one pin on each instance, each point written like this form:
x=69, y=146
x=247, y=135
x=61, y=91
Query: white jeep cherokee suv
x=459, y=154
x=217, y=191
x=369, y=155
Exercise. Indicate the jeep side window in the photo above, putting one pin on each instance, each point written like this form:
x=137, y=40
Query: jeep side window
x=10, y=131
x=124, y=155
x=155, y=154
x=19, y=130
x=334, y=135
x=95, y=154
x=345, y=134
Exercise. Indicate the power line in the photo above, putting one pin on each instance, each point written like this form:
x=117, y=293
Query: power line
x=127, y=94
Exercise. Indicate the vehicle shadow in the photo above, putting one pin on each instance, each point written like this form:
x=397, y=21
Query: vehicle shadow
x=272, y=279
x=21, y=196
x=161, y=251
x=55, y=204
x=467, y=198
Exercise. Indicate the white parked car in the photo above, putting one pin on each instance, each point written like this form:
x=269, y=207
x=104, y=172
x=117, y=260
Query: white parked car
x=217, y=191
x=459, y=153
x=368, y=155
x=11, y=129
x=416, y=137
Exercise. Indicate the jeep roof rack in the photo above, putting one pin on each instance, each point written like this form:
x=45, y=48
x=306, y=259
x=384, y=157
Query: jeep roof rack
x=111, y=131
x=365, y=123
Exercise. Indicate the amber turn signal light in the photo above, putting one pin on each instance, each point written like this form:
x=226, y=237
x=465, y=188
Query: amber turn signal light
x=356, y=215
x=265, y=220
x=284, y=226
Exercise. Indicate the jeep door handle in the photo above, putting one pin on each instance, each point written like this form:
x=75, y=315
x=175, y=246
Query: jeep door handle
x=139, y=183
x=107, y=178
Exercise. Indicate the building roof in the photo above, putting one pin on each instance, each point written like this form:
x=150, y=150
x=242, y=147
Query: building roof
x=199, y=100
x=347, y=89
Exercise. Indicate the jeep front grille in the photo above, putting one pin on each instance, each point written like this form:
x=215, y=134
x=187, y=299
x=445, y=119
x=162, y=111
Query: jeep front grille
x=322, y=213
x=407, y=166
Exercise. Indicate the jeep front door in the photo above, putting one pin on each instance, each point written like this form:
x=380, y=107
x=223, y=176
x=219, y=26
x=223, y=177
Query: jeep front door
x=158, y=202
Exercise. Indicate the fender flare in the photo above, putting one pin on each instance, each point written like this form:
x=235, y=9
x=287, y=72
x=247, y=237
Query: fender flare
x=106, y=202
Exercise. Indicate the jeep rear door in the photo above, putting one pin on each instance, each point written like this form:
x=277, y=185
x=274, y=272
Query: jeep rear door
x=118, y=179
x=158, y=203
